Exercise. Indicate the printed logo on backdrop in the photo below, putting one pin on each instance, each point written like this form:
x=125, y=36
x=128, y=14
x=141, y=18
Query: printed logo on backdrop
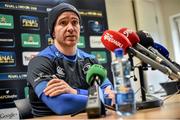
x=81, y=43
x=91, y=13
x=8, y=95
x=27, y=56
x=95, y=26
x=17, y=6
x=95, y=42
x=13, y=76
x=49, y=40
x=101, y=56
x=30, y=40
x=6, y=21
x=7, y=59
x=29, y=22
x=9, y=114
x=7, y=40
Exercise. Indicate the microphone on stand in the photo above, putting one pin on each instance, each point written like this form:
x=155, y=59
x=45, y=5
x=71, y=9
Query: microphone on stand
x=112, y=40
x=117, y=39
x=95, y=107
x=147, y=41
x=164, y=52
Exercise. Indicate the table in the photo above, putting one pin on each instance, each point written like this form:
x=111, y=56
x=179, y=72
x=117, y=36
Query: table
x=170, y=110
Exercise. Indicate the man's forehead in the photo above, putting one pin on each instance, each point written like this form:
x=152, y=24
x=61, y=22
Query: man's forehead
x=68, y=14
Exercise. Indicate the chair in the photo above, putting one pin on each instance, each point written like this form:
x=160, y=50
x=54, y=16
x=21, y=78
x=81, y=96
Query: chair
x=24, y=108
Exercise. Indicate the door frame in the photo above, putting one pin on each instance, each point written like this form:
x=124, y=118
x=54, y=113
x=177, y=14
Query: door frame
x=175, y=34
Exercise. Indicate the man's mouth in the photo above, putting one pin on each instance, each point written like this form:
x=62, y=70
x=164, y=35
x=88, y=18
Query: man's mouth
x=70, y=36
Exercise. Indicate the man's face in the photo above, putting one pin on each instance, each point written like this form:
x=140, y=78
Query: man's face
x=67, y=29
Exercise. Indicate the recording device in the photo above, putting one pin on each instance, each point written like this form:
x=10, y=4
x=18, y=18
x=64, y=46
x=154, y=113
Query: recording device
x=112, y=40
x=147, y=41
x=95, y=77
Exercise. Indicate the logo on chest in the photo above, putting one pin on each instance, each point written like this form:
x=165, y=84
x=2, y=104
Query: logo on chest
x=86, y=67
x=60, y=71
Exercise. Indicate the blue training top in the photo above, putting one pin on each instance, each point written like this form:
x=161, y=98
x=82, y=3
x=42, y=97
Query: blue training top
x=71, y=69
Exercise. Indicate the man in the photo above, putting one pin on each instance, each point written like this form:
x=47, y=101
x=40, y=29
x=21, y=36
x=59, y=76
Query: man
x=57, y=75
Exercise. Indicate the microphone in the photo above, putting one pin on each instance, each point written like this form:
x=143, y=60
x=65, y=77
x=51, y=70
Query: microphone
x=161, y=49
x=134, y=39
x=96, y=73
x=147, y=41
x=112, y=37
x=111, y=44
x=95, y=77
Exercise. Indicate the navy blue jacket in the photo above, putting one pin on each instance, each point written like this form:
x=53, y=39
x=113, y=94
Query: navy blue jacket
x=71, y=69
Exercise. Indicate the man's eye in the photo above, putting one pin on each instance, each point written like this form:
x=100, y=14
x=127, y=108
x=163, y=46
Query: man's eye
x=75, y=22
x=62, y=23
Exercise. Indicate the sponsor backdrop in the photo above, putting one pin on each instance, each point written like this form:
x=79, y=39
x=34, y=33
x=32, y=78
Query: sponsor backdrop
x=24, y=32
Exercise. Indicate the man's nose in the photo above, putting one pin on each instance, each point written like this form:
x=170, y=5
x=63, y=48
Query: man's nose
x=70, y=27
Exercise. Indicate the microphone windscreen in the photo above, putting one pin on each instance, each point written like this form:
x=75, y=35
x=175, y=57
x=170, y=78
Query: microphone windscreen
x=161, y=49
x=112, y=40
x=131, y=35
x=145, y=39
x=96, y=70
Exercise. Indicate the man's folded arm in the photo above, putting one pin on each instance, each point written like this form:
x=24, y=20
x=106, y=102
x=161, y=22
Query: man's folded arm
x=64, y=103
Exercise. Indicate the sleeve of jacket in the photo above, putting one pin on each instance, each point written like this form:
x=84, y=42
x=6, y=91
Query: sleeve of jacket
x=62, y=104
x=66, y=103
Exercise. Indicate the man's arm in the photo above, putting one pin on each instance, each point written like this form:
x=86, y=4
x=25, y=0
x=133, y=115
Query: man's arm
x=108, y=91
x=40, y=71
x=58, y=92
x=62, y=104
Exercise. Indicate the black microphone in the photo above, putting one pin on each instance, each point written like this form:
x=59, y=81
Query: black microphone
x=147, y=41
x=95, y=77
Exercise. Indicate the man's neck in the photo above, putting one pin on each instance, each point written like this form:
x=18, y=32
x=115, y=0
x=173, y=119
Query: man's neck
x=69, y=51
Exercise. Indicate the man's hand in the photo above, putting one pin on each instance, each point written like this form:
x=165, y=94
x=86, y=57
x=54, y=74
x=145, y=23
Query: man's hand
x=57, y=86
x=110, y=94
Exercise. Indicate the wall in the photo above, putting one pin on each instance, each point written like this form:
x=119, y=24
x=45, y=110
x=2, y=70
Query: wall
x=120, y=14
x=169, y=8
